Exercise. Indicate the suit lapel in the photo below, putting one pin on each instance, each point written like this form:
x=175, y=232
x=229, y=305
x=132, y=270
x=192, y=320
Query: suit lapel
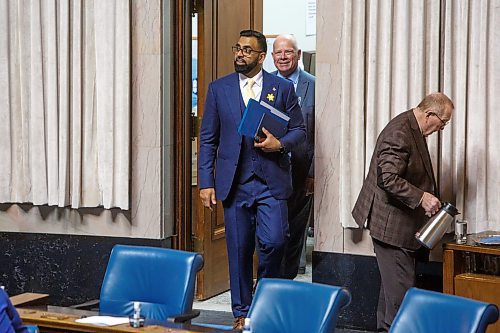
x=422, y=147
x=233, y=98
x=269, y=88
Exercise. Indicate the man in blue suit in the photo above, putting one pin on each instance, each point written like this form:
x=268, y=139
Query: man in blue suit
x=10, y=322
x=286, y=56
x=252, y=179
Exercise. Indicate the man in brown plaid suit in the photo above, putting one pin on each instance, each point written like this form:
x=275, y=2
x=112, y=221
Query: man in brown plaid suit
x=398, y=196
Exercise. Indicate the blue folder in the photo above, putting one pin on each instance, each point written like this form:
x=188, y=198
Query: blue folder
x=258, y=115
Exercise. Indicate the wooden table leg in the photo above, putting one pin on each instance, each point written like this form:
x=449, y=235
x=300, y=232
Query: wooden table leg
x=448, y=272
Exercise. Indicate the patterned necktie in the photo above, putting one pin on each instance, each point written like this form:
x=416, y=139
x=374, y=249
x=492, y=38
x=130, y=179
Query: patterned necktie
x=248, y=91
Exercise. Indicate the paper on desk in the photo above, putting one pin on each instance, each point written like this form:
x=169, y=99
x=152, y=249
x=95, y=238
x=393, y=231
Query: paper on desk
x=103, y=320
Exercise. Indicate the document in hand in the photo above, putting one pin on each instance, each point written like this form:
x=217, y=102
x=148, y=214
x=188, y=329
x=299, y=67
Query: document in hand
x=258, y=115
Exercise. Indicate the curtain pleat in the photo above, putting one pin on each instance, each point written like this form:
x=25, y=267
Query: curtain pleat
x=36, y=117
x=50, y=93
x=65, y=102
x=63, y=66
x=5, y=102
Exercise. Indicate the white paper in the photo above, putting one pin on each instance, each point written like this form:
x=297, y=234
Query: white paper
x=103, y=320
x=310, y=17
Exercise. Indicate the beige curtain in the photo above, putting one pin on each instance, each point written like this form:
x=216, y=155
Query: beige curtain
x=65, y=102
x=470, y=165
x=396, y=52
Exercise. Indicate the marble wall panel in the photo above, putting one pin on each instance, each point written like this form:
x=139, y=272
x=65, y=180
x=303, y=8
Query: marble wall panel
x=331, y=43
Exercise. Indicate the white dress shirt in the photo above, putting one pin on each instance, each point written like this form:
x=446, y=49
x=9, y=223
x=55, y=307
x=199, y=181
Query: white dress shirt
x=257, y=87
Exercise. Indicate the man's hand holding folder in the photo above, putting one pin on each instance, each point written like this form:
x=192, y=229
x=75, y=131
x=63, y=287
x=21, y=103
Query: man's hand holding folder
x=270, y=143
x=264, y=124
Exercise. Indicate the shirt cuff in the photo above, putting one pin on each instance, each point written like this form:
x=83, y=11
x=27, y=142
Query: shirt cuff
x=421, y=199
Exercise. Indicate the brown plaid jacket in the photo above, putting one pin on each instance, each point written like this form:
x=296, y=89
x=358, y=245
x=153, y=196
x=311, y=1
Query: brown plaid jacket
x=400, y=171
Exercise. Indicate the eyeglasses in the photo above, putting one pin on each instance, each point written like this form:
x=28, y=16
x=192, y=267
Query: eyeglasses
x=246, y=50
x=443, y=123
x=287, y=53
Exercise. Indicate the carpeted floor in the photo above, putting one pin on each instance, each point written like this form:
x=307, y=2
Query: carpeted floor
x=214, y=317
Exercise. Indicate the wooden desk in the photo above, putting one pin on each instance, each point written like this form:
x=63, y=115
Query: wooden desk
x=461, y=278
x=61, y=322
x=29, y=299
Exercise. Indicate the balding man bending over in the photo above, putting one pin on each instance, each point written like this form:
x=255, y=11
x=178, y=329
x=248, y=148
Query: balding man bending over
x=399, y=195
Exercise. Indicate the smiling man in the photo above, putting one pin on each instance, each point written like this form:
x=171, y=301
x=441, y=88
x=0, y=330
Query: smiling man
x=398, y=196
x=252, y=179
x=286, y=56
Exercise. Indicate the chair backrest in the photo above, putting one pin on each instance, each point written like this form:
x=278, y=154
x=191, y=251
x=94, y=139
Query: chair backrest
x=292, y=306
x=32, y=329
x=163, y=280
x=430, y=311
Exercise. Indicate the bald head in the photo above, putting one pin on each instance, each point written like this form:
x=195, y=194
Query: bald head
x=437, y=101
x=286, y=54
x=434, y=112
x=290, y=40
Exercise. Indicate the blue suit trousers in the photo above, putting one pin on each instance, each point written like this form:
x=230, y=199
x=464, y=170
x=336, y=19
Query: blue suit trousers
x=252, y=214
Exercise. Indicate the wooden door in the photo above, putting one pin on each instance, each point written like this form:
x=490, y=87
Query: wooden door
x=219, y=24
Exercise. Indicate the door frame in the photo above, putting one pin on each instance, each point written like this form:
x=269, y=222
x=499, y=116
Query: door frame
x=181, y=88
x=207, y=234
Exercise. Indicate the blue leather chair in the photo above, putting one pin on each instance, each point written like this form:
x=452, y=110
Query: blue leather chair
x=162, y=280
x=429, y=311
x=292, y=306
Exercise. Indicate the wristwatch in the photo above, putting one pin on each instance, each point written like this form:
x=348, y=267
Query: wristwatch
x=282, y=148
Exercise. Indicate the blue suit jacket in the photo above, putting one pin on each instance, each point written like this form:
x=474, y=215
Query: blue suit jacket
x=304, y=153
x=9, y=318
x=220, y=143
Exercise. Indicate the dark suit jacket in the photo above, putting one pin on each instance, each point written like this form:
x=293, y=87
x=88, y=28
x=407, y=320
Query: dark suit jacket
x=220, y=143
x=303, y=154
x=400, y=171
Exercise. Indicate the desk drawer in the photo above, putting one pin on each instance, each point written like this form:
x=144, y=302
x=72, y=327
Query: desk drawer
x=481, y=287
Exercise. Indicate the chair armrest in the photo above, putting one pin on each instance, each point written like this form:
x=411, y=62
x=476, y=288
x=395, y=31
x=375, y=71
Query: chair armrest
x=181, y=318
x=89, y=305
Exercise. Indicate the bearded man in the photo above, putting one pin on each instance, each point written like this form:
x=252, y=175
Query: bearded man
x=252, y=179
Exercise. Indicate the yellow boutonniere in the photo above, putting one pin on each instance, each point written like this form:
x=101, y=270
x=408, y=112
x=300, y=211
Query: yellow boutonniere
x=270, y=97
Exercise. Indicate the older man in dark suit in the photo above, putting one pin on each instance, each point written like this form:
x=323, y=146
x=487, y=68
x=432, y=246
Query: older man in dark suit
x=286, y=56
x=398, y=196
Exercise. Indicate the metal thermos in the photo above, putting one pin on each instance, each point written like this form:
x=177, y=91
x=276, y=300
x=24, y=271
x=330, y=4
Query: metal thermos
x=432, y=232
